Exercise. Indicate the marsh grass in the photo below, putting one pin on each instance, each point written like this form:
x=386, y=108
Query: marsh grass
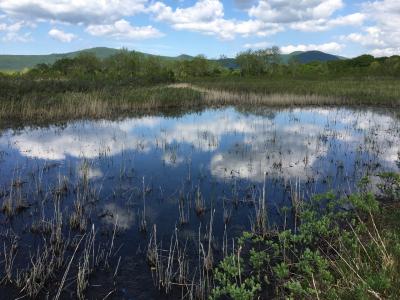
x=287, y=92
x=53, y=102
x=41, y=108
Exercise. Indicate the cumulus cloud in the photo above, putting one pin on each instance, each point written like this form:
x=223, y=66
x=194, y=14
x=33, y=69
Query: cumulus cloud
x=62, y=36
x=122, y=29
x=328, y=47
x=258, y=45
x=202, y=11
x=386, y=51
x=259, y=18
x=355, y=19
x=74, y=12
x=383, y=37
x=12, y=31
x=286, y=11
x=207, y=17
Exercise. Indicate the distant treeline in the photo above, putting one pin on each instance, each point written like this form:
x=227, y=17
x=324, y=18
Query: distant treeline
x=124, y=67
x=267, y=62
x=130, y=67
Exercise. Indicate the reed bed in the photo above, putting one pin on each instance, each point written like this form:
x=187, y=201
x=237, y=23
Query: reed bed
x=98, y=104
x=110, y=102
x=297, y=93
x=286, y=91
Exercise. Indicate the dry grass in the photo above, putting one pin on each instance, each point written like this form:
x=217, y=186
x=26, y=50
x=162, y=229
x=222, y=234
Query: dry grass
x=100, y=104
x=217, y=96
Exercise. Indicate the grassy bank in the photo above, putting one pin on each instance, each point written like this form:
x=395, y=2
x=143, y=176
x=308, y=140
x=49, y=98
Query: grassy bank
x=338, y=249
x=286, y=91
x=28, y=101
x=42, y=107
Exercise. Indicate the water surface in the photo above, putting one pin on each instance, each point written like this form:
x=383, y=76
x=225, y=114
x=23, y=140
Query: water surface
x=159, y=165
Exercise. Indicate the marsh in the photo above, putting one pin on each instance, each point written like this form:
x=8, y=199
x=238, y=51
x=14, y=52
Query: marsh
x=109, y=184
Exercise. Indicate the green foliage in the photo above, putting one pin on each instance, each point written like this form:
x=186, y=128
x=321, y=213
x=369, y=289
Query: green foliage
x=334, y=254
x=390, y=185
x=231, y=283
x=258, y=62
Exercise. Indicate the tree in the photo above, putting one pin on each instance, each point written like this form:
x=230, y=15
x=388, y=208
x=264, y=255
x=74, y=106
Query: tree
x=253, y=62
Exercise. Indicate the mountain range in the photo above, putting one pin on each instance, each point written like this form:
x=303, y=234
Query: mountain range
x=20, y=62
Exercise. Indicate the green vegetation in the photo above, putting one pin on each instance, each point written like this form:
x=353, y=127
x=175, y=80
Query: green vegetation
x=352, y=91
x=341, y=249
x=135, y=82
x=41, y=107
x=22, y=62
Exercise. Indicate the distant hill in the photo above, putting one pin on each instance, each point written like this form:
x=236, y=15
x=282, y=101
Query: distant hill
x=20, y=62
x=310, y=56
x=302, y=57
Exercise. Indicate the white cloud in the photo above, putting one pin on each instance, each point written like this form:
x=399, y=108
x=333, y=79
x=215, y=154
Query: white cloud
x=372, y=37
x=356, y=19
x=13, y=32
x=122, y=29
x=75, y=12
x=62, y=36
x=259, y=45
x=383, y=37
x=328, y=47
x=202, y=11
x=207, y=17
x=288, y=11
x=385, y=52
x=306, y=15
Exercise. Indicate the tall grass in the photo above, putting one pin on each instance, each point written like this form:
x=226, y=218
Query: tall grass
x=28, y=101
x=285, y=91
x=40, y=108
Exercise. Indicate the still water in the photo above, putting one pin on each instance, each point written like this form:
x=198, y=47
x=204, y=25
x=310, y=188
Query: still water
x=157, y=167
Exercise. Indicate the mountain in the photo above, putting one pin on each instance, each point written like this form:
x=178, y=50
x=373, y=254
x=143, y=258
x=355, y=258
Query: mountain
x=302, y=57
x=310, y=56
x=20, y=62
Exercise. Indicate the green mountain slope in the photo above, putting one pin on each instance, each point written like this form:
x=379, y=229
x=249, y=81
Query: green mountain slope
x=20, y=62
x=310, y=56
x=302, y=57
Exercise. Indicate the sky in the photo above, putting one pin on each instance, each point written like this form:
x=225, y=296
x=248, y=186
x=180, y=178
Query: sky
x=209, y=27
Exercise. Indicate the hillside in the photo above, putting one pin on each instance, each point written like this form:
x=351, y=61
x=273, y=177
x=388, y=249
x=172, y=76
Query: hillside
x=302, y=57
x=20, y=62
x=310, y=56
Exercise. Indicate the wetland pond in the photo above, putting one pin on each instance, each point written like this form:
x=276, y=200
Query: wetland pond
x=95, y=191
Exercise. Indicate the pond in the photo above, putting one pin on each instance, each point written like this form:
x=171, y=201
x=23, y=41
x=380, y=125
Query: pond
x=196, y=175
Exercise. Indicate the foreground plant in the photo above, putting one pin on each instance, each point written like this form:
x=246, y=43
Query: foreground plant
x=342, y=249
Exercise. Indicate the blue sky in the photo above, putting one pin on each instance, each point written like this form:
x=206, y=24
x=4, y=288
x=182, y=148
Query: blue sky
x=209, y=27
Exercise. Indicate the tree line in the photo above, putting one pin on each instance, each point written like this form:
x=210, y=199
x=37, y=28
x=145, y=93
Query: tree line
x=130, y=67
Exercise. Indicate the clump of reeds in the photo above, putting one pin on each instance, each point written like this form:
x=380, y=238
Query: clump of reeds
x=183, y=213
x=261, y=221
x=200, y=205
x=78, y=219
x=143, y=222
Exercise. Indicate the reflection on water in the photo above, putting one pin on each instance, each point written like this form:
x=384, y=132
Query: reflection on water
x=299, y=143
x=223, y=153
